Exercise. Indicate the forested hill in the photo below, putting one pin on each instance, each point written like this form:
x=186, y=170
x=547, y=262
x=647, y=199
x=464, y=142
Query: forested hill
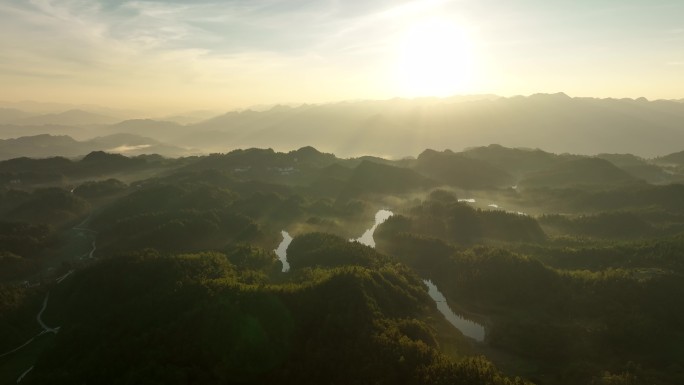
x=147, y=269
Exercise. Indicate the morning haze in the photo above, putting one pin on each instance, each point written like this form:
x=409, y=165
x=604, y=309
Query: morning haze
x=341, y=192
x=392, y=128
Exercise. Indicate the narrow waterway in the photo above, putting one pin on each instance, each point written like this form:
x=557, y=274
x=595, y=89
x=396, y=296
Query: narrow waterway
x=281, y=251
x=468, y=328
x=367, y=237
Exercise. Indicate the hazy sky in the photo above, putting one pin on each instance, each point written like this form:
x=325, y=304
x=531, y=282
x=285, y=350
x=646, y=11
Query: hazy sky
x=235, y=53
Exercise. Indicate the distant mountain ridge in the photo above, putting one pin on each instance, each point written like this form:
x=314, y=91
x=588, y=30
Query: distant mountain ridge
x=399, y=127
x=45, y=145
x=10, y=115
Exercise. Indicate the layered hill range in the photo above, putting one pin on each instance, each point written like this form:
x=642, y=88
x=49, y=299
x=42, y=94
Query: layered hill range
x=488, y=167
x=389, y=128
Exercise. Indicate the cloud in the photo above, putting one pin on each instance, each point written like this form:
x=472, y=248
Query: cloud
x=213, y=47
x=85, y=31
x=102, y=38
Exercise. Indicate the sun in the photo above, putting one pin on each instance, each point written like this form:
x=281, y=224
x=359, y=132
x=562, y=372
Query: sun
x=435, y=59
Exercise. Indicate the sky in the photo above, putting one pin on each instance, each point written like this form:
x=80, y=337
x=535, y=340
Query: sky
x=238, y=53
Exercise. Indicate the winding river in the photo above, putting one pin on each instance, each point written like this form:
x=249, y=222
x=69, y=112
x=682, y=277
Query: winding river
x=468, y=328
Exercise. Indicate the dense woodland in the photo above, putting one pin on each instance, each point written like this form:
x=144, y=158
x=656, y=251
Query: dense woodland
x=163, y=270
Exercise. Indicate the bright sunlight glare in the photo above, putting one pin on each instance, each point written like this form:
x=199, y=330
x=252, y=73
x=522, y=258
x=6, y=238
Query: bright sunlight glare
x=435, y=59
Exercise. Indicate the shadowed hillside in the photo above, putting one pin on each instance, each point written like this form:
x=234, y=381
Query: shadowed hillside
x=586, y=172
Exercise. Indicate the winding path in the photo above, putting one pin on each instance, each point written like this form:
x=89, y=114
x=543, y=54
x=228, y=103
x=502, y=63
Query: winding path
x=39, y=316
x=46, y=329
x=22, y=345
x=24, y=374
